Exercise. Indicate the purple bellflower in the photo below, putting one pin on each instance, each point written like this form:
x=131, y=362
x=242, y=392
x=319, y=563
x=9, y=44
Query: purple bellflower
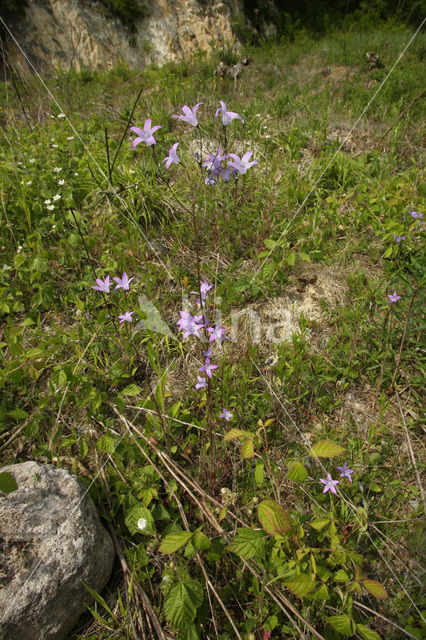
x=126, y=317
x=208, y=353
x=226, y=415
x=416, y=214
x=190, y=115
x=241, y=164
x=173, y=157
x=345, y=472
x=329, y=484
x=123, y=282
x=190, y=325
x=393, y=297
x=207, y=368
x=398, y=238
x=216, y=333
x=145, y=135
x=227, y=116
x=201, y=384
x=102, y=285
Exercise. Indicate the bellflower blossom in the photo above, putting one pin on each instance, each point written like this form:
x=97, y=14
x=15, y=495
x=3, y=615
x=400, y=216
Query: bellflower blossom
x=173, y=157
x=329, y=484
x=126, y=317
x=207, y=368
x=201, y=384
x=345, y=472
x=393, y=297
x=145, y=135
x=204, y=289
x=214, y=162
x=102, y=285
x=190, y=325
x=416, y=214
x=190, y=115
x=227, y=116
x=216, y=333
x=226, y=415
x=123, y=282
x=241, y=164
x=398, y=238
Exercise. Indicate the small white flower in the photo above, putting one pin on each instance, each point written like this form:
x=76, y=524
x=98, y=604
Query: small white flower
x=19, y=249
x=61, y=182
x=22, y=182
x=132, y=171
x=47, y=201
x=19, y=162
x=56, y=197
x=55, y=146
x=142, y=523
x=32, y=160
x=52, y=116
x=57, y=169
x=29, y=182
x=61, y=115
x=50, y=207
x=6, y=267
x=70, y=138
x=76, y=173
x=166, y=579
x=53, y=226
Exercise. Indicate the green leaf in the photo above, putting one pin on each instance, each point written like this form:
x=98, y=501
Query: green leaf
x=247, y=543
x=7, y=482
x=174, y=541
x=139, y=519
x=182, y=603
x=190, y=633
x=201, y=541
x=341, y=576
x=343, y=624
x=247, y=449
x=301, y=585
x=388, y=252
x=321, y=594
x=367, y=633
x=234, y=433
x=259, y=475
x=59, y=377
x=131, y=390
x=269, y=243
x=326, y=449
x=376, y=589
x=319, y=523
x=297, y=472
x=272, y=517
x=17, y=414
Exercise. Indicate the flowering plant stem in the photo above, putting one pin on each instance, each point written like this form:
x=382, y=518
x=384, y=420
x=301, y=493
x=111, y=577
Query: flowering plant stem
x=404, y=333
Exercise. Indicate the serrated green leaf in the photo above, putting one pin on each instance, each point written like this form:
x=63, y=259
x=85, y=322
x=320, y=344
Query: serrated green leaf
x=367, y=633
x=182, y=603
x=7, y=483
x=17, y=414
x=343, y=624
x=131, y=390
x=376, y=589
x=138, y=519
x=321, y=594
x=59, y=377
x=326, y=449
x=341, y=576
x=300, y=585
x=319, y=523
x=269, y=243
x=272, y=517
x=247, y=449
x=388, y=252
x=297, y=472
x=174, y=541
x=234, y=433
x=201, y=541
x=247, y=543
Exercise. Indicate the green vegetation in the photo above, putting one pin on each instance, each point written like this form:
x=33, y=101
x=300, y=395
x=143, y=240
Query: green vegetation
x=225, y=524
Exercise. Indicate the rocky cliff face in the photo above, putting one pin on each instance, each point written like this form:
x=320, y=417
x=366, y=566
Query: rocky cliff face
x=71, y=33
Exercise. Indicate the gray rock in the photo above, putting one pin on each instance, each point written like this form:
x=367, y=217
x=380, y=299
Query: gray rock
x=51, y=541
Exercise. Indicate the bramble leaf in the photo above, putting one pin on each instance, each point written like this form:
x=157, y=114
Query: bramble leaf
x=326, y=449
x=272, y=517
x=174, y=541
x=182, y=603
x=376, y=589
x=367, y=633
x=343, y=624
x=300, y=585
x=247, y=449
x=247, y=543
x=297, y=472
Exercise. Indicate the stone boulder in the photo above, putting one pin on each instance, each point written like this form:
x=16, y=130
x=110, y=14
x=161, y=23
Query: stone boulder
x=51, y=541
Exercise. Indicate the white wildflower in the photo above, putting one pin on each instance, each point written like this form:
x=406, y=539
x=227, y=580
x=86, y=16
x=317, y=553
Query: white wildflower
x=61, y=182
x=61, y=115
x=142, y=522
x=50, y=207
x=56, y=197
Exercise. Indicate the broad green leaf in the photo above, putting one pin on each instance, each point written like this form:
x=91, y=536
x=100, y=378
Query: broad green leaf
x=190, y=633
x=139, y=519
x=376, y=589
x=367, y=633
x=259, y=475
x=321, y=594
x=131, y=390
x=297, y=472
x=300, y=585
x=59, y=377
x=272, y=517
x=7, y=483
x=343, y=624
x=388, y=252
x=223, y=513
x=201, y=541
x=319, y=523
x=174, y=541
x=247, y=449
x=341, y=576
x=182, y=603
x=17, y=414
x=234, y=433
x=326, y=449
x=247, y=543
